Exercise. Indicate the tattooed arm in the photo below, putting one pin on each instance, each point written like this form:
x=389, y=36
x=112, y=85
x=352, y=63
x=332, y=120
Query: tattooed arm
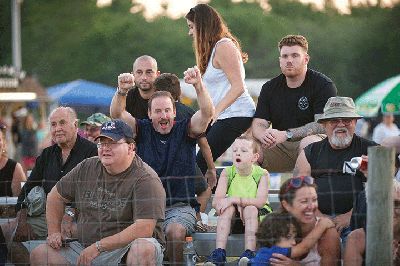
x=308, y=129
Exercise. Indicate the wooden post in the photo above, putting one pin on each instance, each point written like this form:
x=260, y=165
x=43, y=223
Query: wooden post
x=380, y=206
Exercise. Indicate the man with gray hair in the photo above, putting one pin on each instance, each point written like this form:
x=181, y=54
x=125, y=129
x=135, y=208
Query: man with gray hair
x=324, y=160
x=53, y=163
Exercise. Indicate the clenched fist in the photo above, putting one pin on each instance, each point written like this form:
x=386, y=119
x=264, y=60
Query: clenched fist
x=125, y=82
x=192, y=75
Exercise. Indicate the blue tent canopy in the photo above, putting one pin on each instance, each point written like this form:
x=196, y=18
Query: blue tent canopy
x=81, y=93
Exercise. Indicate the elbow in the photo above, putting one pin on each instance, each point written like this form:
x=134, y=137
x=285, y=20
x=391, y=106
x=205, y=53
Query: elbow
x=114, y=114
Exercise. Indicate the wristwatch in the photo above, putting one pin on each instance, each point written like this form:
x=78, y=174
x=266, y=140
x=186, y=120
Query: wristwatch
x=99, y=247
x=121, y=92
x=70, y=213
x=289, y=135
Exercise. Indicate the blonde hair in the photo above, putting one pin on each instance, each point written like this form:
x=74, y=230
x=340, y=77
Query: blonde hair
x=254, y=143
x=210, y=28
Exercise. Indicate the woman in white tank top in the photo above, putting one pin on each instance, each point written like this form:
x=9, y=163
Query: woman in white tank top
x=298, y=196
x=220, y=60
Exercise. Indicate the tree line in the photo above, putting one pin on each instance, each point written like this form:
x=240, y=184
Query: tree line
x=67, y=40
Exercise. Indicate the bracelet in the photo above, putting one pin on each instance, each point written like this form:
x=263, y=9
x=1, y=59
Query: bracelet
x=99, y=247
x=119, y=92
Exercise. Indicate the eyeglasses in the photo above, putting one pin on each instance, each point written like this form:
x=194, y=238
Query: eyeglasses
x=297, y=182
x=345, y=121
x=112, y=145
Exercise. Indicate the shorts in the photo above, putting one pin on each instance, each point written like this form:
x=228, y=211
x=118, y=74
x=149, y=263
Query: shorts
x=114, y=257
x=282, y=158
x=182, y=214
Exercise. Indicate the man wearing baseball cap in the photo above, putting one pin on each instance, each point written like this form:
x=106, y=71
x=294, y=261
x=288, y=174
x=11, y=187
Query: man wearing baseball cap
x=121, y=204
x=324, y=161
x=92, y=125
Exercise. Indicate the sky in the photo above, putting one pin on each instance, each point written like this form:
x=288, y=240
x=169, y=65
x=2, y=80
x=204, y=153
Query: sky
x=178, y=8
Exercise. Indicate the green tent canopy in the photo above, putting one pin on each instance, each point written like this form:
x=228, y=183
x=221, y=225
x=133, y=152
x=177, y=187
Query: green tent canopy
x=384, y=96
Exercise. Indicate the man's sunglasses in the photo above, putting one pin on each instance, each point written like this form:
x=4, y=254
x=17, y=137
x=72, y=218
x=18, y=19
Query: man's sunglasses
x=297, y=182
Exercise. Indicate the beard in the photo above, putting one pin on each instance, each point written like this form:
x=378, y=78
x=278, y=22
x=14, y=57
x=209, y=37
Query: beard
x=146, y=87
x=341, y=142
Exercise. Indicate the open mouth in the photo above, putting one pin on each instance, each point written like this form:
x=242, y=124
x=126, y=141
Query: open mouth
x=238, y=160
x=309, y=215
x=164, y=124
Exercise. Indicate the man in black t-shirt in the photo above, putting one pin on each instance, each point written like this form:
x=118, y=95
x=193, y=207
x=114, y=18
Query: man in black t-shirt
x=324, y=160
x=145, y=71
x=289, y=105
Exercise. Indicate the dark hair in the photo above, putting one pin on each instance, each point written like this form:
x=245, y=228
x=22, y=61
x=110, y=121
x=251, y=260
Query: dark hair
x=287, y=193
x=293, y=40
x=160, y=94
x=168, y=82
x=210, y=28
x=275, y=226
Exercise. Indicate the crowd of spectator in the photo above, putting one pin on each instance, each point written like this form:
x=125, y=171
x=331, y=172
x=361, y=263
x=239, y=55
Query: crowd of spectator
x=131, y=187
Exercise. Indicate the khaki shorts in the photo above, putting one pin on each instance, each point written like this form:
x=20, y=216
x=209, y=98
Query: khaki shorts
x=282, y=158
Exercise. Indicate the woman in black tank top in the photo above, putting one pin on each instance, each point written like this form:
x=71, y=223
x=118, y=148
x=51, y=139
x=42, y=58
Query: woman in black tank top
x=11, y=172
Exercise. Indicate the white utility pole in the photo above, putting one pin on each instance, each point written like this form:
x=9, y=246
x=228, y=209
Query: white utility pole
x=16, y=35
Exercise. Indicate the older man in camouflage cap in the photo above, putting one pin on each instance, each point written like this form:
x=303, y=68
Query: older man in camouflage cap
x=93, y=124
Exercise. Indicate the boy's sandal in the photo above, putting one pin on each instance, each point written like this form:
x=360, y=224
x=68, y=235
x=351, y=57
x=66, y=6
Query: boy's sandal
x=200, y=227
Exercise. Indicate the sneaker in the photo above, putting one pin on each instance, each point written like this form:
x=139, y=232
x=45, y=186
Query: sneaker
x=216, y=258
x=248, y=254
x=244, y=261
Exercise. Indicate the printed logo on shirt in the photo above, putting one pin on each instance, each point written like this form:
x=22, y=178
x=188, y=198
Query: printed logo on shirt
x=303, y=103
x=105, y=200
